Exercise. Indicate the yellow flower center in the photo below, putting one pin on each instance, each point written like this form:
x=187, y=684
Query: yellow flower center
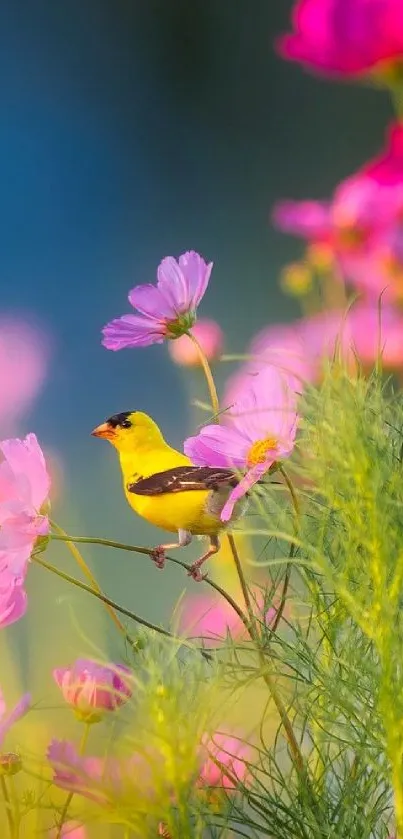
x=258, y=451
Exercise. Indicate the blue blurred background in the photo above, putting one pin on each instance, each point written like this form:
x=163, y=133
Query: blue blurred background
x=132, y=130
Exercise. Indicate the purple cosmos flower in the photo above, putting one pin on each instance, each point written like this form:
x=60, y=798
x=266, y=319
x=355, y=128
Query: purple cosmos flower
x=7, y=720
x=91, y=689
x=166, y=310
x=259, y=431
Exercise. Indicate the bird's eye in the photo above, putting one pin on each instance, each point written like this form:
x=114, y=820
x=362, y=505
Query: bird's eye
x=126, y=424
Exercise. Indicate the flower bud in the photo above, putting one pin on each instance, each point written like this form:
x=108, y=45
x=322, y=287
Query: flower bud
x=10, y=764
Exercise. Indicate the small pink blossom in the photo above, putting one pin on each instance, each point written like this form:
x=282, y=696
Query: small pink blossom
x=233, y=754
x=93, y=689
x=24, y=489
x=345, y=38
x=210, y=337
x=166, y=310
x=260, y=431
x=7, y=720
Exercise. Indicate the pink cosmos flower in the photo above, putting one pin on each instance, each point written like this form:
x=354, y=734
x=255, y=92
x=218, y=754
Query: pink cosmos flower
x=92, y=689
x=260, y=431
x=103, y=780
x=70, y=830
x=345, y=37
x=23, y=365
x=166, y=310
x=13, y=597
x=233, y=754
x=211, y=618
x=210, y=337
x=24, y=489
x=7, y=720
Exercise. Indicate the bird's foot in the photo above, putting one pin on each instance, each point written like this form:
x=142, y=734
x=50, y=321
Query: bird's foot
x=195, y=573
x=158, y=556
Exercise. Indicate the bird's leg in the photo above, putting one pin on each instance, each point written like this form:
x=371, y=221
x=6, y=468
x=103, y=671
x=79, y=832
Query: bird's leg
x=194, y=570
x=158, y=554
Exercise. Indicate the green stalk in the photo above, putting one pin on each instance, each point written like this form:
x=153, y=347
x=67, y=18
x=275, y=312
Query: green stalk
x=208, y=374
x=8, y=808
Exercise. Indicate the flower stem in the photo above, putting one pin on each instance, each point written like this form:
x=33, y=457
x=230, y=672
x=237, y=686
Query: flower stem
x=7, y=805
x=208, y=374
x=110, y=543
x=90, y=577
x=64, y=815
x=255, y=637
x=287, y=574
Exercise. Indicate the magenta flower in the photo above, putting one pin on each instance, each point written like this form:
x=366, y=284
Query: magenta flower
x=93, y=689
x=345, y=38
x=166, y=310
x=103, y=780
x=7, y=720
x=259, y=432
x=23, y=364
x=233, y=755
x=210, y=337
x=24, y=489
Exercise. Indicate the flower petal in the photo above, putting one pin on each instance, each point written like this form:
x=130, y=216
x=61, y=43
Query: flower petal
x=25, y=457
x=132, y=331
x=150, y=301
x=197, y=274
x=173, y=285
x=20, y=709
x=247, y=482
x=13, y=602
x=217, y=445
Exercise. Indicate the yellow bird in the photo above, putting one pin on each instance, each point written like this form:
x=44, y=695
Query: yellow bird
x=163, y=486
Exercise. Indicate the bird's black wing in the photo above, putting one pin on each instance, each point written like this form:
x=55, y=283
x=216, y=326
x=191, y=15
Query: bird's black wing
x=183, y=479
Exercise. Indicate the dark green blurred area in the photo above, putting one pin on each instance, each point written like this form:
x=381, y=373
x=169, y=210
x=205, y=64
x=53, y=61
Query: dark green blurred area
x=130, y=131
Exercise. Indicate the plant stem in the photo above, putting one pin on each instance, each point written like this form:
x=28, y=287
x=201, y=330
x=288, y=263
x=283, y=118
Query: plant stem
x=63, y=817
x=90, y=577
x=254, y=635
x=208, y=374
x=101, y=597
x=110, y=543
x=8, y=808
x=287, y=574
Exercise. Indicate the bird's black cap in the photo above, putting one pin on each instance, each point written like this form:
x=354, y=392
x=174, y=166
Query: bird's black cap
x=120, y=420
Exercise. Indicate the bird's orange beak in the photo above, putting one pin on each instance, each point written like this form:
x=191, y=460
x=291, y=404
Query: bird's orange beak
x=104, y=430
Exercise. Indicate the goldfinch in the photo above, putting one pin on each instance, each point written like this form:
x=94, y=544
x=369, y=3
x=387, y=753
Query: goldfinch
x=163, y=486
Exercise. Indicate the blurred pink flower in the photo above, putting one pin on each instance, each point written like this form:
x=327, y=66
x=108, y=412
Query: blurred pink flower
x=7, y=720
x=210, y=337
x=232, y=753
x=92, y=689
x=23, y=366
x=362, y=227
x=259, y=431
x=24, y=489
x=167, y=310
x=70, y=830
x=211, y=618
x=345, y=37
x=363, y=332
x=103, y=780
